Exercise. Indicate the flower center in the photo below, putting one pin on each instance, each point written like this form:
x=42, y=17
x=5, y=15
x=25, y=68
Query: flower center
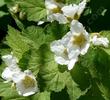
x=69, y=19
x=65, y=51
x=79, y=39
x=56, y=10
x=28, y=82
x=76, y=16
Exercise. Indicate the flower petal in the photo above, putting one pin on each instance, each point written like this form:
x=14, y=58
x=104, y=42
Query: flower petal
x=7, y=74
x=70, y=10
x=72, y=63
x=58, y=17
x=100, y=41
x=57, y=47
x=60, y=60
x=50, y=4
x=76, y=27
x=81, y=7
x=85, y=48
x=65, y=40
x=9, y=59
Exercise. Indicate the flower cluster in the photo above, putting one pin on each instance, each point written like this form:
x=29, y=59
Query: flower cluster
x=77, y=41
x=67, y=50
x=74, y=43
x=25, y=82
x=56, y=10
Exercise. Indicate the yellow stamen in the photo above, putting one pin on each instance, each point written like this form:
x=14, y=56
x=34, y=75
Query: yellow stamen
x=65, y=51
x=56, y=10
x=76, y=16
x=13, y=86
x=69, y=19
x=28, y=82
x=79, y=39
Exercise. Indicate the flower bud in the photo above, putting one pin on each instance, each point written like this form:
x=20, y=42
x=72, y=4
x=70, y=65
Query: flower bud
x=15, y=9
x=22, y=15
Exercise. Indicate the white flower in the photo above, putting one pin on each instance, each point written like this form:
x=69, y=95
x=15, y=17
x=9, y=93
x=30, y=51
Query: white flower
x=54, y=11
x=62, y=54
x=73, y=44
x=26, y=83
x=11, y=68
x=79, y=37
x=100, y=40
x=74, y=11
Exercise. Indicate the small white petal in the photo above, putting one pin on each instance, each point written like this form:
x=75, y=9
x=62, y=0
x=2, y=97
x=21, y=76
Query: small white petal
x=100, y=41
x=81, y=7
x=58, y=17
x=17, y=77
x=70, y=11
x=9, y=59
x=76, y=27
x=50, y=4
x=73, y=52
x=72, y=63
x=8, y=73
x=40, y=22
x=57, y=47
x=50, y=18
x=28, y=72
x=85, y=48
x=66, y=39
x=60, y=60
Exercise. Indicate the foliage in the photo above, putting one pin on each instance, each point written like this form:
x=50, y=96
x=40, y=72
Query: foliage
x=30, y=43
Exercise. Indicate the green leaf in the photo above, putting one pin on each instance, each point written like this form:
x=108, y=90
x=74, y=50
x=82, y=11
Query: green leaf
x=7, y=91
x=105, y=91
x=73, y=90
x=55, y=31
x=35, y=9
x=3, y=13
x=81, y=76
x=35, y=36
x=2, y=3
x=16, y=42
x=88, y=62
x=54, y=80
x=42, y=96
x=31, y=60
x=97, y=62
